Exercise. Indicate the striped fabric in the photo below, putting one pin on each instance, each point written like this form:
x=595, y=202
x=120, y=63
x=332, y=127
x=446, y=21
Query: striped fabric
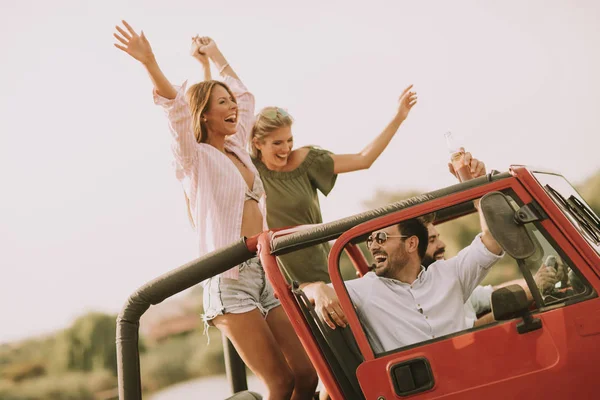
x=211, y=181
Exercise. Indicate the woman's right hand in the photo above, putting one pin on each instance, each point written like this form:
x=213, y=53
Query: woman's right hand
x=137, y=46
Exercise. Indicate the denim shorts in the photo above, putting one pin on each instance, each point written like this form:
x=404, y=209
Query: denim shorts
x=235, y=296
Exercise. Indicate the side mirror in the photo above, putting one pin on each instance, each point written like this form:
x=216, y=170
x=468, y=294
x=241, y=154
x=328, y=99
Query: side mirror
x=511, y=302
x=500, y=218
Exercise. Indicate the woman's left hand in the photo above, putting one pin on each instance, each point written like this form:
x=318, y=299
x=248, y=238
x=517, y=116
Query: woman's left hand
x=407, y=100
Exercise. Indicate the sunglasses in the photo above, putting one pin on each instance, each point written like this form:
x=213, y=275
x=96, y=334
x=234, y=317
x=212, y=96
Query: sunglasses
x=381, y=238
x=272, y=113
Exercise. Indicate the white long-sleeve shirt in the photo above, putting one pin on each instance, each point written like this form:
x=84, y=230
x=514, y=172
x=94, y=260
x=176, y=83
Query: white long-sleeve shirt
x=479, y=302
x=213, y=184
x=397, y=314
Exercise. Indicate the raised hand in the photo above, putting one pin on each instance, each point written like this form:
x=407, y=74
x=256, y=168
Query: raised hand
x=477, y=167
x=197, y=43
x=137, y=46
x=207, y=46
x=407, y=100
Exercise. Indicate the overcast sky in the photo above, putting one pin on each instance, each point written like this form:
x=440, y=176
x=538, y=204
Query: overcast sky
x=90, y=206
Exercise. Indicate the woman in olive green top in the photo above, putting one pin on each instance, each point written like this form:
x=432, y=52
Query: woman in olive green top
x=292, y=177
x=292, y=200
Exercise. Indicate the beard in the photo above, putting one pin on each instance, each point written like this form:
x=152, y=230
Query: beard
x=393, y=264
x=427, y=260
x=430, y=259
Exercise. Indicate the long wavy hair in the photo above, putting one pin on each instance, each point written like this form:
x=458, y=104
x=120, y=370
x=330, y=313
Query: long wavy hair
x=198, y=98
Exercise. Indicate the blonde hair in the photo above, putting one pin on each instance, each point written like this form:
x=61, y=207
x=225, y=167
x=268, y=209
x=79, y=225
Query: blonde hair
x=198, y=98
x=268, y=120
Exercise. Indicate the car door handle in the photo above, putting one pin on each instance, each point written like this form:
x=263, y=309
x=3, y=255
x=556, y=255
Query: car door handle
x=412, y=376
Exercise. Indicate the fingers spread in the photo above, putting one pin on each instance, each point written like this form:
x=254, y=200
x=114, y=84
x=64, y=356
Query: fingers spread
x=120, y=39
x=129, y=28
x=120, y=47
x=122, y=32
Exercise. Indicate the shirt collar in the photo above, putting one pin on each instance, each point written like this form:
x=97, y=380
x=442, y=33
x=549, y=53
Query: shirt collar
x=420, y=278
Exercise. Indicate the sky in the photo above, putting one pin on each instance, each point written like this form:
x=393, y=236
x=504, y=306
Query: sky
x=90, y=207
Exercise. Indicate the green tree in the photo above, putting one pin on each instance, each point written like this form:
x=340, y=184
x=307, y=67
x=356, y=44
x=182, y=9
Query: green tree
x=88, y=345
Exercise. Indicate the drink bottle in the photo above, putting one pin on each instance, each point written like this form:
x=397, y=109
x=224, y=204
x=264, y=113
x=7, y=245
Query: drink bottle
x=457, y=158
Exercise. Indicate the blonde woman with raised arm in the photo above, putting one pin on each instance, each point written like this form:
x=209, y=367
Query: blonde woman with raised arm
x=292, y=178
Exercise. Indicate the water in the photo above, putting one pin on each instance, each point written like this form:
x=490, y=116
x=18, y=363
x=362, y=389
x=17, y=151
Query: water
x=212, y=387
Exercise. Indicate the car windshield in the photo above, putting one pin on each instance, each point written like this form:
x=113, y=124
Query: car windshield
x=573, y=206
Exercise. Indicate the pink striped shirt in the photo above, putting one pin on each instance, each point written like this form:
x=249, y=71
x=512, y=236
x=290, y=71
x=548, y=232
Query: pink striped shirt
x=213, y=184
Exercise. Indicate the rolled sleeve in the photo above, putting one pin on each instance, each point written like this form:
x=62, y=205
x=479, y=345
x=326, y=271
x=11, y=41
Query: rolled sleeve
x=169, y=103
x=246, y=105
x=472, y=265
x=481, y=298
x=180, y=126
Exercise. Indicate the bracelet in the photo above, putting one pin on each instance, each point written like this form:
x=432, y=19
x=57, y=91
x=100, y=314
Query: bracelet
x=223, y=68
